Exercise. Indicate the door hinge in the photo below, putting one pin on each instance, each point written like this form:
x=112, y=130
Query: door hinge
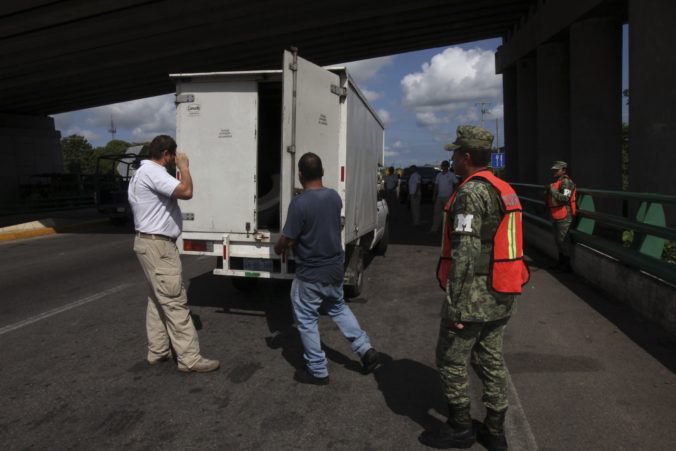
x=293, y=67
x=184, y=98
x=337, y=90
x=291, y=149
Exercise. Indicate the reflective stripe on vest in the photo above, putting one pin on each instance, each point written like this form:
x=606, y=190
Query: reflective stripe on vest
x=559, y=211
x=508, y=271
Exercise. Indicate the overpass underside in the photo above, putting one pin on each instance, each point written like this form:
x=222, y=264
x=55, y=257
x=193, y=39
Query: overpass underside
x=562, y=88
x=561, y=66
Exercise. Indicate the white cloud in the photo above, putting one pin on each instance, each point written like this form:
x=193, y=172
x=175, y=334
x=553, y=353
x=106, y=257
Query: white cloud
x=446, y=91
x=365, y=70
x=143, y=118
x=391, y=153
x=384, y=116
x=453, y=76
x=371, y=96
x=398, y=144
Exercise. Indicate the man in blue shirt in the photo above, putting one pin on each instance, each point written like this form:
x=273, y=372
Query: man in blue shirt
x=312, y=230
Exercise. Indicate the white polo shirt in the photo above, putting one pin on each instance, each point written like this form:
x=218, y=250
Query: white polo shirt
x=149, y=192
x=414, y=183
x=445, y=182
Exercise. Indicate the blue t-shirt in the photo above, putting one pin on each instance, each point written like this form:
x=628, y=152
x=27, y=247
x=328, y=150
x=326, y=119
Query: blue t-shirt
x=313, y=222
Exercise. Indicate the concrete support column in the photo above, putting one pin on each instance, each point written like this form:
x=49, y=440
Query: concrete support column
x=510, y=124
x=652, y=101
x=526, y=104
x=29, y=145
x=553, y=108
x=596, y=103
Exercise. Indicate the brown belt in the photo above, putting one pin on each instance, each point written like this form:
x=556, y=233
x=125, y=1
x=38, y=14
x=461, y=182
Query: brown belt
x=155, y=237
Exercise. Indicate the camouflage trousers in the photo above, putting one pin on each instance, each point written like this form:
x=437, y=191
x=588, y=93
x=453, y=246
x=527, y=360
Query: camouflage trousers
x=561, y=229
x=483, y=342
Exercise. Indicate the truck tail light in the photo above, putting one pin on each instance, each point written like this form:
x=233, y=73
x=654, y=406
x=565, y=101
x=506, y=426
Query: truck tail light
x=342, y=173
x=195, y=245
x=225, y=252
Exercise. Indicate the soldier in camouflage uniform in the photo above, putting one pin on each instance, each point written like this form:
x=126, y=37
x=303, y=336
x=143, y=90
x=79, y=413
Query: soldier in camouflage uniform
x=561, y=195
x=473, y=316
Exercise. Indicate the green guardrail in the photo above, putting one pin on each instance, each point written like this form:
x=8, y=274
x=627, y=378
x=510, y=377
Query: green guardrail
x=634, y=232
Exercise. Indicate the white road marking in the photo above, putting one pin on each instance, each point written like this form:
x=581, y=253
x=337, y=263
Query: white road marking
x=520, y=436
x=63, y=308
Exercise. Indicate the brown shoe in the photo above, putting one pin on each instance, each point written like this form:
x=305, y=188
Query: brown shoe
x=202, y=366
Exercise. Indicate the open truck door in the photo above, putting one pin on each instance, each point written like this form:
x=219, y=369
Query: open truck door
x=310, y=122
x=216, y=127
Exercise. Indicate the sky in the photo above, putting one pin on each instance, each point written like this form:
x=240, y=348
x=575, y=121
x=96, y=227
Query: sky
x=420, y=96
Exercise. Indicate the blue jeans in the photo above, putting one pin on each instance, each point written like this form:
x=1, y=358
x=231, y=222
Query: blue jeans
x=307, y=298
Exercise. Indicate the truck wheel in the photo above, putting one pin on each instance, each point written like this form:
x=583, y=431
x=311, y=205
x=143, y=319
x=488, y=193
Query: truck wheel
x=353, y=290
x=381, y=247
x=244, y=283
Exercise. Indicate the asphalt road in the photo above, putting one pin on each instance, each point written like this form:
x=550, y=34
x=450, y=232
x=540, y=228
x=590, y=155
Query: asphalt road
x=586, y=374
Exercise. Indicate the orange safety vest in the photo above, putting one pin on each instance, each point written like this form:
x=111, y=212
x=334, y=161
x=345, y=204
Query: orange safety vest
x=508, y=272
x=559, y=211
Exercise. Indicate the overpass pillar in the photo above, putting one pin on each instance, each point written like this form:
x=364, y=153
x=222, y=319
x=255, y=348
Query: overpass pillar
x=596, y=102
x=652, y=101
x=552, y=108
x=29, y=145
x=526, y=104
x=510, y=124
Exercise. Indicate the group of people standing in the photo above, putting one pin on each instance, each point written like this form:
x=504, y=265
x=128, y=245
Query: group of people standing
x=481, y=269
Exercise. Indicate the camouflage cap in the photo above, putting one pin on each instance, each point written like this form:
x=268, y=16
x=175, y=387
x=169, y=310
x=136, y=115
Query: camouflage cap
x=471, y=137
x=559, y=165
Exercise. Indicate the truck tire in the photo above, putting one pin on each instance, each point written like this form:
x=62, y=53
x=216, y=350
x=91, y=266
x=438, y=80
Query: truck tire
x=381, y=247
x=244, y=284
x=353, y=289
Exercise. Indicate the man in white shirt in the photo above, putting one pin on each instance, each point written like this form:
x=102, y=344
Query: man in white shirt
x=444, y=184
x=153, y=195
x=415, y=194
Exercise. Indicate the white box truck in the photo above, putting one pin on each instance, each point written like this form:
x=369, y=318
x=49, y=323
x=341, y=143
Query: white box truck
x=244, y=133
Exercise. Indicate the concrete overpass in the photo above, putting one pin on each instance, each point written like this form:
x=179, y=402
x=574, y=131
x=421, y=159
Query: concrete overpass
x=561, y=63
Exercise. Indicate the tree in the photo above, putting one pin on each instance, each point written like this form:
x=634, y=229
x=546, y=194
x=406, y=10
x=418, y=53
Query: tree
x=76, y=150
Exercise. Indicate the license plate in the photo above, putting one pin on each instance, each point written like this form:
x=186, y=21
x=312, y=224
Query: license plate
x=258, y=264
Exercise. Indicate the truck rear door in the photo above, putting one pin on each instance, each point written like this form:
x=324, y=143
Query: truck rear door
x=311, y=122
x=216, y=126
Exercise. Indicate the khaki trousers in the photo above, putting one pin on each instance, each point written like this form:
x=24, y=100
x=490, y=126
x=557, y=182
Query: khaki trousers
x=415, y=207
x=168, y=321
x=438, y=212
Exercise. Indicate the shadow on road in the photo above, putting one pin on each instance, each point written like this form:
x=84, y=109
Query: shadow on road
x=411, y=389
x=658, y=343
x=402, y=230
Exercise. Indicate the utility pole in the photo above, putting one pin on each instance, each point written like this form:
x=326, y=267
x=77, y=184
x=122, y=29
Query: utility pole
x=483, y=107
x=497, y=135
x=112, y=130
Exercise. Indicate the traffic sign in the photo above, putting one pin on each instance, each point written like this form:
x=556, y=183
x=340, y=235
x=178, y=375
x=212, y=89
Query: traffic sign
x=497, y=160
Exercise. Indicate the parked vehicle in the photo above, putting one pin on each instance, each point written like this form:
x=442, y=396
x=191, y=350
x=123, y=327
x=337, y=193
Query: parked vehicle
x=244, y=133
x=427, y=176
x=111, y=181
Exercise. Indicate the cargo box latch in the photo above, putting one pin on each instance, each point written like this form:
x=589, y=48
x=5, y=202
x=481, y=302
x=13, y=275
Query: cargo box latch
x=337, y=90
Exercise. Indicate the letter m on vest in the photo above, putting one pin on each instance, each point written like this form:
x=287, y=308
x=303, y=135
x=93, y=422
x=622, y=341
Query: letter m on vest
x=508, y=271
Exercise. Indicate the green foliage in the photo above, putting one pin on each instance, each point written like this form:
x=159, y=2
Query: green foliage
x=80, y=157
x=76, y=152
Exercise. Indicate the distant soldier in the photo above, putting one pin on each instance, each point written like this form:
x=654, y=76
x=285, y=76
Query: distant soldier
x=481, y=268
x=562, y=207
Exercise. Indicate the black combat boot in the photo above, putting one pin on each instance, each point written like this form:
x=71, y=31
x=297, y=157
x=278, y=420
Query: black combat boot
x=457, y=432
x=491, y=434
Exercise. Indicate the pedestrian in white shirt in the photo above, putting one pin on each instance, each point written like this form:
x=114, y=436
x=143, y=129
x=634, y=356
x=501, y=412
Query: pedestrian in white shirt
x=444, y=184
x=153, y=195
x=415, y=194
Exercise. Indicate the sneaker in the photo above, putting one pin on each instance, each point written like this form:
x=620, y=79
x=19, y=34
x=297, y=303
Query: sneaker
x=202, y=366
x=370, y=361
x=304, y=377
x=155, y=360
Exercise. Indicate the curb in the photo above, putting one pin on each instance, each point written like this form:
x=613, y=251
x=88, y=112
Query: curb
x=19, y=235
